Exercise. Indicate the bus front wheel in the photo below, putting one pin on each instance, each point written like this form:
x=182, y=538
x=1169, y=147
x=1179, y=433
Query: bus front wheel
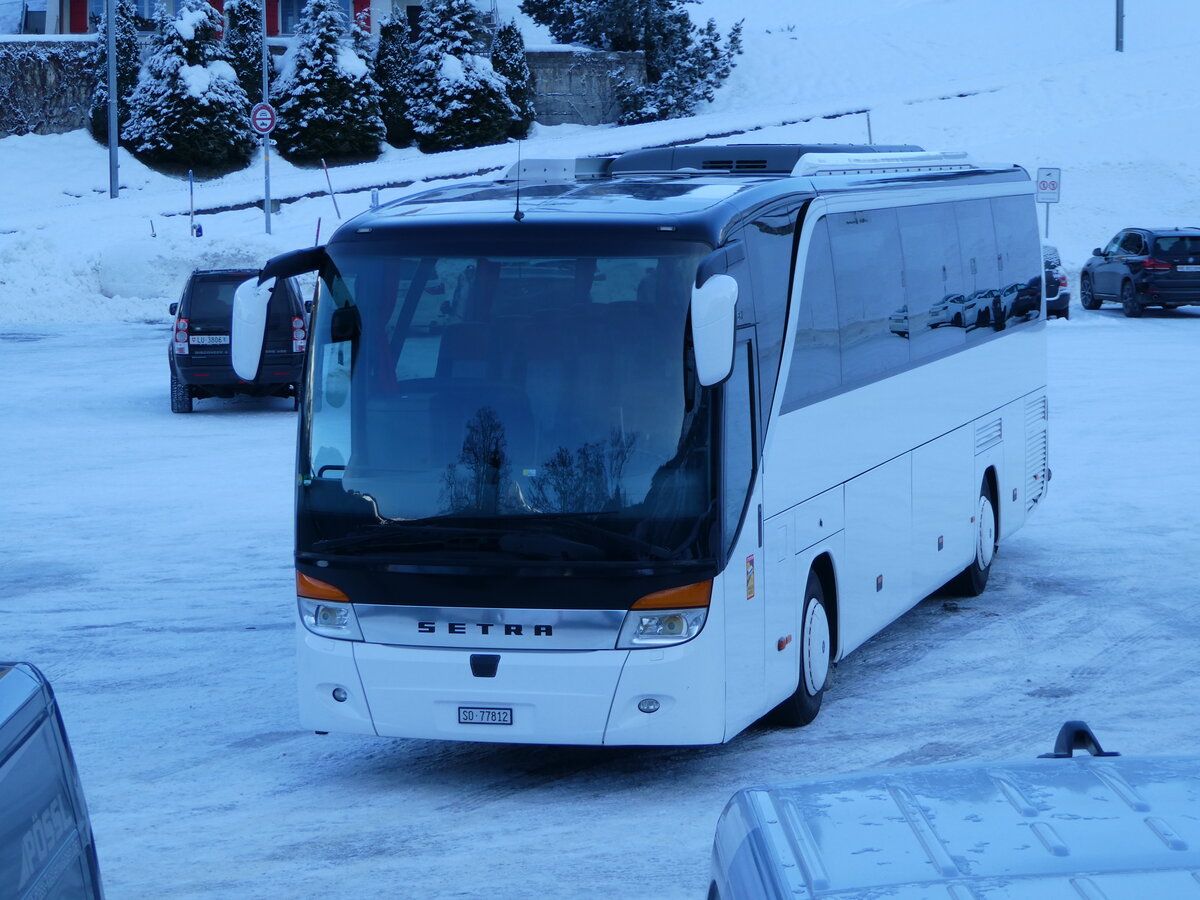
x=815, y=651
x=974, y=577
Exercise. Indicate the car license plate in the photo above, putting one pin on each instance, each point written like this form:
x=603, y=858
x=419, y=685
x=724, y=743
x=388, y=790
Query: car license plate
x=209, y=339
x=484, y=715
x=1187, y=268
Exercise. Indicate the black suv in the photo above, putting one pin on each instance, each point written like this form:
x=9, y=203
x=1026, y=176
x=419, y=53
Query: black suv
x=1143, y=267
x=46, y=843
x=199, y=354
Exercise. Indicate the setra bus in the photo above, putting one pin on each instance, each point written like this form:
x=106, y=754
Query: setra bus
x=632, y=450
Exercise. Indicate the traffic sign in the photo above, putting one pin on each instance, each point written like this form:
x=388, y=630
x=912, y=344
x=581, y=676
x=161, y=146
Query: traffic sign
x=1048, y=183
x=262, y=118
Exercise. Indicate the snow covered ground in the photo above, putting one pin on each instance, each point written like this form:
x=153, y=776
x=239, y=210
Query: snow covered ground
x=147, y=556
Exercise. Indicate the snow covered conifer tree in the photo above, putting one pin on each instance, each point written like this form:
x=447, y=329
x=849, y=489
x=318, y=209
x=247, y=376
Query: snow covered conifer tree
x=458, y=99
x=510, y=63
x=128, y=63
x=684, y=64
x=245, y=40
x=188, y=110
x=327, y=102
x=393, y=73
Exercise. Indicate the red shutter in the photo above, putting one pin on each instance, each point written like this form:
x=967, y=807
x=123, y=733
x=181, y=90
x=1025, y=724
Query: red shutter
x=77, y=16
x=361, y=6
x=272, y=18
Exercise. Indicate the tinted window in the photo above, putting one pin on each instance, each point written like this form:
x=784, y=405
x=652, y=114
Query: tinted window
x=1019, y=259
x=1177, y=245
x=932, y=277
x=816, y=366
x=981, y=270
x=210, y=303
x=867, y=266
x=770, y=246
x=1132, y=244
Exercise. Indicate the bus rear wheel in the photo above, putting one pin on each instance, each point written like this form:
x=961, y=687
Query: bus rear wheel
x=815, y=646
x=974, y=578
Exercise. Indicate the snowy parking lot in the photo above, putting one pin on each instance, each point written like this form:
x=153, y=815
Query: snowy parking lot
x=147, y=557
x=148, y=563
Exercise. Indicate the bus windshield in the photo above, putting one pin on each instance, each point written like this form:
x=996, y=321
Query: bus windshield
x=476, y=404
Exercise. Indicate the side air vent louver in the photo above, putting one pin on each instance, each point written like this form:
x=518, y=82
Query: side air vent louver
x=988, y=436
x=1037, y=446
x=734, y=165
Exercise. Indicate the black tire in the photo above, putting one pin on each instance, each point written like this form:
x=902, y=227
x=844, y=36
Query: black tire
x=815, y=654
x=181, y=397
x=1129, y=301
x=973, y=579
x=957, y=321
x=1087, y=298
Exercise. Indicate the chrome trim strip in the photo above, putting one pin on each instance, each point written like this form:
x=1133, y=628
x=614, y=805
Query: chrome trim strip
x=473, y=628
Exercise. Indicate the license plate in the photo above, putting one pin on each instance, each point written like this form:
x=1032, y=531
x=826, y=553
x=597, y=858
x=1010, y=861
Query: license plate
x=484, y=715
x=209, y=339
x=1187, y=268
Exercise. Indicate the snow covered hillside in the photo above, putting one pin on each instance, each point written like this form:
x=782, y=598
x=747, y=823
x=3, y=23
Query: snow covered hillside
x=147, y=556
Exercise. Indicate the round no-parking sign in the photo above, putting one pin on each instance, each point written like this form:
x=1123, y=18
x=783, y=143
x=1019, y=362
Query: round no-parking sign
x=262, y=118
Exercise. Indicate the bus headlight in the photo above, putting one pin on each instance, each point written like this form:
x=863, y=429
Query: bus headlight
x=334, y=620
x=660, y=628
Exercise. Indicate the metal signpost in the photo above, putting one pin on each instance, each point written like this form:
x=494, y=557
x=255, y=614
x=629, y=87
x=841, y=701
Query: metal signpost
x=268, y=117
x=262, y=120
x=1049, y=181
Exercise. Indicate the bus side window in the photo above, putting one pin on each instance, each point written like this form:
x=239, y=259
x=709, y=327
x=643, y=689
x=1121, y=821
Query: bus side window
x=867, y=265
x=1017, y=251
x=981, y=271
x=770, y=248
x=932, y=278
x=816, y=365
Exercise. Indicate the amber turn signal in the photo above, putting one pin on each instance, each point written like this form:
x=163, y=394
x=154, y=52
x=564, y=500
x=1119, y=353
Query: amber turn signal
x=690, y=596
x=314, y=589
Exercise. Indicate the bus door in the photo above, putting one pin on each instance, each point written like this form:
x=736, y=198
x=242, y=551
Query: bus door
x=741, y=516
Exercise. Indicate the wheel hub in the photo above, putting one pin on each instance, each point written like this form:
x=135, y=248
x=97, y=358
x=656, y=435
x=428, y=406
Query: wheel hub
x=816, y=647
x=986, y=547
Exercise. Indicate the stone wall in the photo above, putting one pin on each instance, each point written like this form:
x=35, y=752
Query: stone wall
x=45, y=86
x=575, y=86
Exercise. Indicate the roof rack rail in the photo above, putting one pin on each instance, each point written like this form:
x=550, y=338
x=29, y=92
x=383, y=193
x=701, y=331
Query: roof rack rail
x=868, y=164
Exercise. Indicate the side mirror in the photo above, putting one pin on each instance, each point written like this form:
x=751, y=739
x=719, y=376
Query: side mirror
x=249, y=327
x=1097, y=252
x=714, y=308
x=173, y=308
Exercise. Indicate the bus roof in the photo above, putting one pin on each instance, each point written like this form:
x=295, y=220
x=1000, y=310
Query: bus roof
x=687, y=193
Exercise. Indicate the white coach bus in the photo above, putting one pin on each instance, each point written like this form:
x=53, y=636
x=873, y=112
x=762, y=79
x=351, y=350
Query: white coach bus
x=632, y=450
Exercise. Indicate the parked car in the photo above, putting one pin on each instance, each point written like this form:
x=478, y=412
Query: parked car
x=1144, y=267
x=956, y=310
x=1058, y=294
x=898, y=321
x=1062, y=825
x=198, y=354
x=46, y=843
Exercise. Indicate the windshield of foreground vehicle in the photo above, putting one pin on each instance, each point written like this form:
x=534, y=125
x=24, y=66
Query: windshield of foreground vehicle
x=465, y=388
